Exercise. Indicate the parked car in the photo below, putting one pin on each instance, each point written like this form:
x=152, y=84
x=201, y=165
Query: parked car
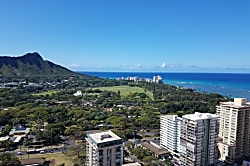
x=50, y=151
x=19, y=153
x=42, y=152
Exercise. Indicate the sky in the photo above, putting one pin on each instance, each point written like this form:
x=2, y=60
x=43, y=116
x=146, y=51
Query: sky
x=130, y=35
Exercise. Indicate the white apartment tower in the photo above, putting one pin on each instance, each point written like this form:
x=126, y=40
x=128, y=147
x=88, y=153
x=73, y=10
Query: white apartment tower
x=234, y=129
x=198, y=139
x=157, y=79
x=104, y=149
x=170, y=132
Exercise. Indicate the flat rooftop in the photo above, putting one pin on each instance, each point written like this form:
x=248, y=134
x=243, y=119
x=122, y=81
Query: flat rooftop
x=170, y=117
x=154, y=149
x=200, y=116
x=132, y=164
x=237, y=103
x=105, y=136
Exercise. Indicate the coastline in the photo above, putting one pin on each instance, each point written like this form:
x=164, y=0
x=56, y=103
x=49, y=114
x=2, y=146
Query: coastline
x=226, y=84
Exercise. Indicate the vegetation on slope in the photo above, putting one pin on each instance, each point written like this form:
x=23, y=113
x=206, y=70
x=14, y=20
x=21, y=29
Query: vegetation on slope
x=30, y=65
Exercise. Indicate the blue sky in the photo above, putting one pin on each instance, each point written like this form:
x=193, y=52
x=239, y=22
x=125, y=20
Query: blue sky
x=130, y=35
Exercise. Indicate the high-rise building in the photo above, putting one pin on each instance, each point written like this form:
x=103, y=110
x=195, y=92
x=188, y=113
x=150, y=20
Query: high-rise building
x=104, y=149
x=157, y=79
x=234, y=129
x=170, y=132
x=198, y=139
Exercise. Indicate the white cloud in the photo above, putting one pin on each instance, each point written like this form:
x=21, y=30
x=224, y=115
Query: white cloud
x=74, y=65
x=163, y=65
x=131, y=67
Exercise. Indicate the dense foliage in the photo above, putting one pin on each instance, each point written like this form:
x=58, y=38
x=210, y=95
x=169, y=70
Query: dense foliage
x=7, y=159
x=53, y=102
x=40, y=95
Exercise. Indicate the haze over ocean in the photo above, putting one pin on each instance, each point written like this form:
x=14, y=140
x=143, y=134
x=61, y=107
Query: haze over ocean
x=227, y=84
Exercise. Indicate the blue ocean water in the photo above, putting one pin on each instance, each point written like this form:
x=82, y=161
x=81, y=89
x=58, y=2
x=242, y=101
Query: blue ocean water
x=227, y=84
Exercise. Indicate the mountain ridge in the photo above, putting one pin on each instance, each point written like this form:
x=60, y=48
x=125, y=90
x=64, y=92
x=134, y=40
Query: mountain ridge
x=30, y=65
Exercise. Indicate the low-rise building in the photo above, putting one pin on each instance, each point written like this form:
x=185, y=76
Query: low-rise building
x=4, y=138
x=19, y=131
x=78, y=93
x=157, y=150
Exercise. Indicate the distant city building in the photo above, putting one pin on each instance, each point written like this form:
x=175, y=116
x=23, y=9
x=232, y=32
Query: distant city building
x=146, y=80
x=157, y=79
x=234, y=129
x=170, y=132
x=135, y=79
x=104, y=149
x=198, y=139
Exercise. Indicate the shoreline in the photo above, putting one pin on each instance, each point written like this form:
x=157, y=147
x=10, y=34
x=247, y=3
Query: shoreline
x=226, y=84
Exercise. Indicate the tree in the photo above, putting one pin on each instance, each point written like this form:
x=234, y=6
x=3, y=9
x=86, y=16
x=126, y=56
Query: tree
x=140, y=153
x=7, y=144
x=77, y=153
x=71, y=130
x=7, y=159
x=150, y=161
x=167, y=162
x=117, y=121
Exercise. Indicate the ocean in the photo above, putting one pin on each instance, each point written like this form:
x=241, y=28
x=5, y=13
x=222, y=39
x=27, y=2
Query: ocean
x=226, y=84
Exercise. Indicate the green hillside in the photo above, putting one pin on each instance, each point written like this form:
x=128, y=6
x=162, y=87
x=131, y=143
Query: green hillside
x=30, y=65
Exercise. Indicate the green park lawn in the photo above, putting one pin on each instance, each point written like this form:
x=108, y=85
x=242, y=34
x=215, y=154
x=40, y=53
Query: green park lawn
x=126, y=90
x=46, y=93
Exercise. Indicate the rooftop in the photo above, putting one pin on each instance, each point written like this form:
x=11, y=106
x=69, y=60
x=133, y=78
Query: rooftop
x=4, y=138
x=132, y=164
x=237, y=103
x=105, y=136
x=170, y=117
x=200, y=116
x=19, y=131
x=154, y=148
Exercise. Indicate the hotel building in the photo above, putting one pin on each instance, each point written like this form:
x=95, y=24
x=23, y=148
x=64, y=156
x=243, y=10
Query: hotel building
x=198, y=139
x=104, y=149
x=234, y=129
x=157, y=79
x=170, y=132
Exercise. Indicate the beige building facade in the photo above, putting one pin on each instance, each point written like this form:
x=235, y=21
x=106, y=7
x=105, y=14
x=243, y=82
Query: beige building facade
x=234, y=129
